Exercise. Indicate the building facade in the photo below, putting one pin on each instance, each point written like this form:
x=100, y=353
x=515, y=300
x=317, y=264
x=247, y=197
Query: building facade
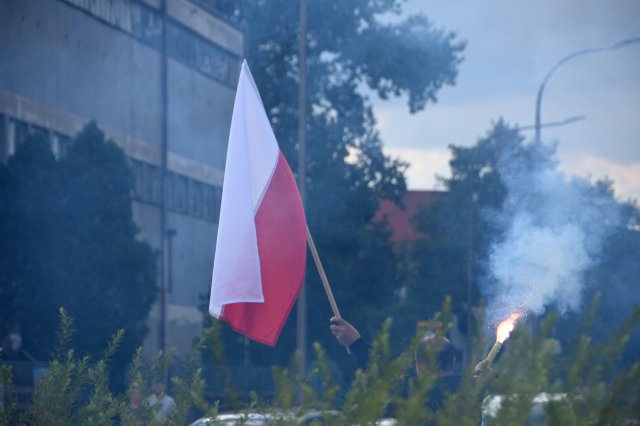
x=66, y=62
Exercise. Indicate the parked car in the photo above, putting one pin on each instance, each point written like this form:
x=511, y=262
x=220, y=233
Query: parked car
x=492, y=405
x=248, y=419
x=313, y=417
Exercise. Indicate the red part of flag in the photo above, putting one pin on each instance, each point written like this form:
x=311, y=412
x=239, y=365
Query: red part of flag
x=280, y=227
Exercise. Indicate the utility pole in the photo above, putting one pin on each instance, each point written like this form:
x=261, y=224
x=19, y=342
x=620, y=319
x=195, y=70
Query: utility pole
x=301, y=334
x=468, y=353
x=164, y=238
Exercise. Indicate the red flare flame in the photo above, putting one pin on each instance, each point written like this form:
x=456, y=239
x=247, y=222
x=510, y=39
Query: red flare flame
x=506, y=327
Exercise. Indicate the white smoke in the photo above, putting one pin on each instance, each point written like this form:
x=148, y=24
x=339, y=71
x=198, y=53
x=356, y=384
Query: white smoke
x=554, y=229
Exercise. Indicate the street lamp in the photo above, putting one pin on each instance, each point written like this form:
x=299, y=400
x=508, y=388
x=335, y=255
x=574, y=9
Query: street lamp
x=618, y=45
x=560, y=123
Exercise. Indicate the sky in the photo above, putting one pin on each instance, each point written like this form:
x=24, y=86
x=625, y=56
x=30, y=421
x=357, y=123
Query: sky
x=511, y=45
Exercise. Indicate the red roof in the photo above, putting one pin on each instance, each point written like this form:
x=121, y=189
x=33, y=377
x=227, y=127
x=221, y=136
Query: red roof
x=400, y=220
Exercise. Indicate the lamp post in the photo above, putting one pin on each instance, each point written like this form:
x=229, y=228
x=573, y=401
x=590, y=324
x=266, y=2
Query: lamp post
x=569, y=57
x=559, y=123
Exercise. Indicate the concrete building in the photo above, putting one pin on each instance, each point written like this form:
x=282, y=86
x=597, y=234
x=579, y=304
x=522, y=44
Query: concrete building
x=66, y=62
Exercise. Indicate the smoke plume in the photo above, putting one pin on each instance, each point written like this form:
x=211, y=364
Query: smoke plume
x=554, y=229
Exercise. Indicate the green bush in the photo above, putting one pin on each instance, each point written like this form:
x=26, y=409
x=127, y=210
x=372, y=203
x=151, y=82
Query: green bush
x=531, y=381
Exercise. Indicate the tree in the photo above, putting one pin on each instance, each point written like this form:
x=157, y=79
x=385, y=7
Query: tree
x=351, y=44
x=69, y=241
x=613, y=283
x=457, y=234
x=27, y=248
x=461, y=227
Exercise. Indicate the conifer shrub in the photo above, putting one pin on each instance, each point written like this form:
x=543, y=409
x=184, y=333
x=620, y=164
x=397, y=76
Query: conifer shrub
x=531, y=382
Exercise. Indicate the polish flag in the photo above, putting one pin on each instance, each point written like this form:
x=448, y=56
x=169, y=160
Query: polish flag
x=260, y=256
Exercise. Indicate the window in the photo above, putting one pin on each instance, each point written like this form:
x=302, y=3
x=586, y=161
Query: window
x=209, y=203
x=151, y=186
x=169, y=183
x=183, y=195
x=138, y=174
x=155, y=177
x=20, y=132
x=40, y=133
x=60, y=145
x=201, y=55
x=217, y=203
x=180, y=191
x=195, y=198
x=4, y=138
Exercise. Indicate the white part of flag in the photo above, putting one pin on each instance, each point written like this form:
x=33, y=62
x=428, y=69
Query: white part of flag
x=252, y=156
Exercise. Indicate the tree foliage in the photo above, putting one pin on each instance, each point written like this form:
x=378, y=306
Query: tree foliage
x=355, y=47
x=615, y=280
x=459, y=234
x=68, y=240
x=528, y=384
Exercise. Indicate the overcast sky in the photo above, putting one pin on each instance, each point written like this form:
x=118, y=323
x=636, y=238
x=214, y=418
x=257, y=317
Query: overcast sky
x=511, y=45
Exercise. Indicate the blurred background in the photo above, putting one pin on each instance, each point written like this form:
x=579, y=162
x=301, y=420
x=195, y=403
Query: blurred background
x=114, y=118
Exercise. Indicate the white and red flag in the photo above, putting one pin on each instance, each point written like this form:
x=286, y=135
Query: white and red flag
x=260, y=257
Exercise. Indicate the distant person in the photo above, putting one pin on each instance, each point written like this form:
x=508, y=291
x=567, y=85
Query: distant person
x=430, y=345
x=445, y=362
x=12, y=343
x=162, y=405
x=134, y=412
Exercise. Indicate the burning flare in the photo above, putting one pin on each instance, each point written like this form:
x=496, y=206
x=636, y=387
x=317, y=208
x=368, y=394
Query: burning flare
x=506, y=327
x=502, y=333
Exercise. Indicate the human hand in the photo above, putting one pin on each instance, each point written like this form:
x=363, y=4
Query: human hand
x=481, y=368
x=344, y=332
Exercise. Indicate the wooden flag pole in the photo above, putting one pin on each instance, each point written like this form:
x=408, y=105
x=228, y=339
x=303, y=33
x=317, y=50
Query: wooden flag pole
x=323, y=276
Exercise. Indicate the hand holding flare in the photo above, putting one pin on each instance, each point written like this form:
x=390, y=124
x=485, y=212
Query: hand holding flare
x=502, y=333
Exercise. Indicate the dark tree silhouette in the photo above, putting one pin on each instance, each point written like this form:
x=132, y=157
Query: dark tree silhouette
x=69, y=240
